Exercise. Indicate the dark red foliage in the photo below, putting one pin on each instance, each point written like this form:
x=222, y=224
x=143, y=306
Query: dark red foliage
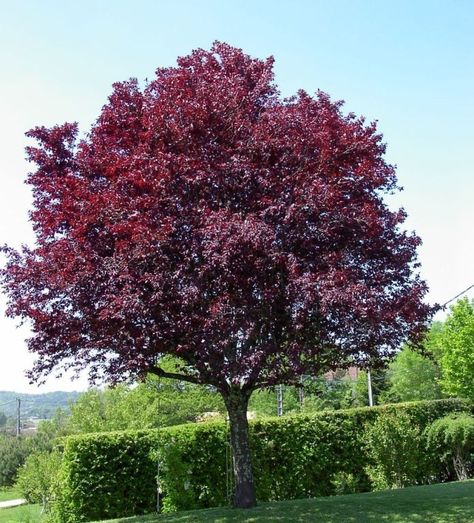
x=207, y=218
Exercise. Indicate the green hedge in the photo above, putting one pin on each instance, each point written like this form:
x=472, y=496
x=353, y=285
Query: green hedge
x=114, y=474
x=299, y=456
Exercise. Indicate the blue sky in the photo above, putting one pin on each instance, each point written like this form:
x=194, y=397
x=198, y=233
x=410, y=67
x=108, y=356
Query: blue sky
x=408, y=64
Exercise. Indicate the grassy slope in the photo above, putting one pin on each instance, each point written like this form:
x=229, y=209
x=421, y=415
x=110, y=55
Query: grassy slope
x=23, y=514
x=447, y=503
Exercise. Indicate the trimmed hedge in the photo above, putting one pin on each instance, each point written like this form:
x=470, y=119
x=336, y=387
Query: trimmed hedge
x=111, y=475
x=299, y=456
x=108, y=475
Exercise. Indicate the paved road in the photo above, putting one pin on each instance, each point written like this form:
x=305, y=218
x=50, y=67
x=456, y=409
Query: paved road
x=12, y=503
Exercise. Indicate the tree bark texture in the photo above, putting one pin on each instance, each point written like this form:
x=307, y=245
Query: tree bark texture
x=236, y=402
x=460, y=466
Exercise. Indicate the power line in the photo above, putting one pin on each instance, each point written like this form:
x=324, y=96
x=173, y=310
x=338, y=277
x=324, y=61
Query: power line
x=23, y=400
x=457, y=296
x=7, y=403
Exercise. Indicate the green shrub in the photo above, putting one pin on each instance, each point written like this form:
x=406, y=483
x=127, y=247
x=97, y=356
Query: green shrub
x=344, y=483
x=115, y=474
x=37, y=477
x=396, y=447
x=452, y=438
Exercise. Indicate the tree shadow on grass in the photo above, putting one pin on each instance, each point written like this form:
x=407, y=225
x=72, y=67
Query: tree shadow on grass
x=449, y=503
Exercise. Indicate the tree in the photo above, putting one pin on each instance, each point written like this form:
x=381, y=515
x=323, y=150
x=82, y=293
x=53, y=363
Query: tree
x=413, y=377
x=38, y=476
x=205, y=217
x=452, y=438
x=432, y=342
x=395, y=450
x=455, y=348
x=321, y=393
x=13, y=452
x=152, y=404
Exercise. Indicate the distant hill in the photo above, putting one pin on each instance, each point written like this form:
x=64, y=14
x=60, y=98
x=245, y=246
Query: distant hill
x=36, y=405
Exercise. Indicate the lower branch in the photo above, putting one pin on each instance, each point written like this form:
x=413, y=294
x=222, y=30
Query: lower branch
x=158, y=371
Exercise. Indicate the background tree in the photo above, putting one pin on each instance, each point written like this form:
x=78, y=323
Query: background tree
x=153, y=404
x=13, y=453
x=38, y=477
x=412, y=376
x=205, y=217
x=452, y=438
x=321, y=393
x=455, y=347
x=263, y=403
x=432, y=342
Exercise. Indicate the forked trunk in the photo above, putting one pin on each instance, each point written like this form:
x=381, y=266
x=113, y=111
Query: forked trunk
x=236, y=402
x=460, y=466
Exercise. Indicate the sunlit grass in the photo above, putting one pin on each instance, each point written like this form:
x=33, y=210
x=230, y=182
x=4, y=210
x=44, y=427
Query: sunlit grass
x=444, y=503
x=21, y=514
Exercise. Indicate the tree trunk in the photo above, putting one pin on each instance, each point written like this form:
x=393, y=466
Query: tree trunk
x=236, y=402
x=460, y=466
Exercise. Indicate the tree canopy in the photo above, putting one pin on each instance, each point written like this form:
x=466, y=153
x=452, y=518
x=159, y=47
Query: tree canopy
x=455, y=347
x=207, y=218
x=152, y=404
x=412, y=377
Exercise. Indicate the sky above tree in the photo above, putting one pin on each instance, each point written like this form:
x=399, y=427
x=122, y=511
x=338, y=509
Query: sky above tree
x=408, y=65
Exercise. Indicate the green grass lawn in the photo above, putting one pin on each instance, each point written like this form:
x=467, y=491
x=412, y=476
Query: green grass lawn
x=22, y=514
x=446, y=503
x=9, y=493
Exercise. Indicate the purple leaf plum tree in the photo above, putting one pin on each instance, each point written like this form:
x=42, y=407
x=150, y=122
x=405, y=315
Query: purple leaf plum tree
x=205, y=217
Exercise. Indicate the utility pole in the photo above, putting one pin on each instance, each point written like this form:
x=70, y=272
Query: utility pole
x=369, y=386
x=18, y=417
x=301, y=396
x=301, y=393
x=279, y=400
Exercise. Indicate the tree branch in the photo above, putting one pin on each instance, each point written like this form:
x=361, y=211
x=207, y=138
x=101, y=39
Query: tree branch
x=158, y=371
